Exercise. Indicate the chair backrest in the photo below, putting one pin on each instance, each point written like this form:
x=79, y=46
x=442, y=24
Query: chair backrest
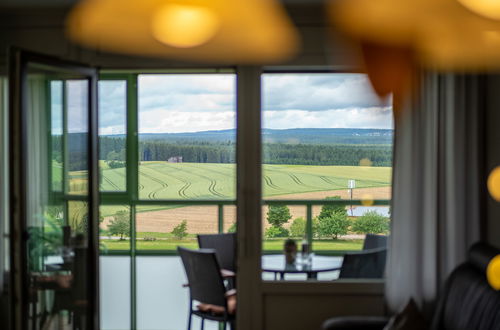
x=468, y=301
x=373, y=241
x=204, y=278
x=364, y=264
x=224, y=246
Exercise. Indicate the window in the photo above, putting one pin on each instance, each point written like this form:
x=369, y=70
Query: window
x=327, y=140
x=167, y=163
x=168, y=170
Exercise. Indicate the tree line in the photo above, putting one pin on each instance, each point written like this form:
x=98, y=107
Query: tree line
x=273, y=153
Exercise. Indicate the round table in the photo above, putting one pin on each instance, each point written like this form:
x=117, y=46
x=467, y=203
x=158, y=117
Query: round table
x=275, y=263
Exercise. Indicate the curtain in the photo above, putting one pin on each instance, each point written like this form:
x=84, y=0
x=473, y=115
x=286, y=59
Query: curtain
x=436, y=187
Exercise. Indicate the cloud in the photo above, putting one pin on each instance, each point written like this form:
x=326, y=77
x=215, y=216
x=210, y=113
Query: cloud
x=374, y=117
x=189, y=103
x=77, y=99
x=318, y=92
x=187, y=92
x=112, y=106
x=165, y=121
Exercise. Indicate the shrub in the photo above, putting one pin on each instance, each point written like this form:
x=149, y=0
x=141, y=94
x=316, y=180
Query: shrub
x=180, y=231
x=298, y=227
x=327, y=211
x=232, y=228
x=315, y=225
x=334, y=226
x=120, y=225
x=273, y=232
x=371, y=223
x=116, y=164
x=278, y=215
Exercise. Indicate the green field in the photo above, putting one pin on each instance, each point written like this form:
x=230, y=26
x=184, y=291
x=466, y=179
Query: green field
x=275, y=245
x=191, y=181
x=162, y=180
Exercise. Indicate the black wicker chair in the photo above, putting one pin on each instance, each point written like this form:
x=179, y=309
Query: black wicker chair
x=373, y=241
x=364, y=264
x=206, y=286
x=224, y=246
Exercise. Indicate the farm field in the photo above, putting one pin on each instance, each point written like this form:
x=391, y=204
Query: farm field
x=162, y=180
x=185, y=181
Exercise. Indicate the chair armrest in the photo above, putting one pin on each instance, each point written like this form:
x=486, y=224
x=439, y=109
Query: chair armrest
x=355, y=323
x=227, y=273
x=230, y=293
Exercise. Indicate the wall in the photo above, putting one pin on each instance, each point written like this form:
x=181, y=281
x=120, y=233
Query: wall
x=309, y=304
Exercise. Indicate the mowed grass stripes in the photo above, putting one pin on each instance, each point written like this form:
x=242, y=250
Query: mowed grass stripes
x=162, y=180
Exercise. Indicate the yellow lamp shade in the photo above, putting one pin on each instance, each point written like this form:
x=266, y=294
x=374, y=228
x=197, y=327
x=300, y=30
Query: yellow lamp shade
x=444, y=34
x=216, y=31
x=184, y=26
x=493, y=272
x=486, y=8
x=494, y=183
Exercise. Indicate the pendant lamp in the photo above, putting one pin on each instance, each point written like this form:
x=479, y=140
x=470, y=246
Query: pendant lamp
x=216, y=31
x=454, y=35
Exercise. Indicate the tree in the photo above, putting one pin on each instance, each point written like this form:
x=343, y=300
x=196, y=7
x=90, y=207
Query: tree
x=327, y=211
x=232, y=228
x=298, y=227
x=371, y=223
x=278, y=215
x=334, y=226
x=180, y=231
x=273, y=232
x=120, y=225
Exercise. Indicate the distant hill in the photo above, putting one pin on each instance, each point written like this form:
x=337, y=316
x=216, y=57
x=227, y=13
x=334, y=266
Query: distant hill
x=294, y=135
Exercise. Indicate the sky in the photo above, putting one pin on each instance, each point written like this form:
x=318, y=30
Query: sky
x=176, y=103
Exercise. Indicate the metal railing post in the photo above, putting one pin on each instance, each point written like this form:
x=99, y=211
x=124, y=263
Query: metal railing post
x=309, y=226
x=221, y=217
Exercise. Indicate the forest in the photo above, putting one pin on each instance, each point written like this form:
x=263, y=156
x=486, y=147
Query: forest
x=113, y=149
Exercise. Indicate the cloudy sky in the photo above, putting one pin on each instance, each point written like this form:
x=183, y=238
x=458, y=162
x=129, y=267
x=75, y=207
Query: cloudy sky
x=189, y=103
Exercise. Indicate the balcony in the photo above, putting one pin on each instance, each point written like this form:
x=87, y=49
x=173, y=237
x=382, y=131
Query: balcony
x=141, y=284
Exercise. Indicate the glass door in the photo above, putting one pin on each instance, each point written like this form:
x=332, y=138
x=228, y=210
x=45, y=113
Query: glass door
x=54, y=217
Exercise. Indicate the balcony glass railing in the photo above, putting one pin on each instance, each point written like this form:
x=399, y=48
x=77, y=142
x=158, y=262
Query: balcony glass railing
x=131, y=240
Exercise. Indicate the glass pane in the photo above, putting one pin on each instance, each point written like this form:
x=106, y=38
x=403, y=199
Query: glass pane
x=165, y=228
x=77, y=152
x=115, y=292
x=162, y=301
x=56, y=110
x=325, y=137
x=229, y=218
x=114, y=228
x=57, y=226
x=112, y=137
x=187, y=136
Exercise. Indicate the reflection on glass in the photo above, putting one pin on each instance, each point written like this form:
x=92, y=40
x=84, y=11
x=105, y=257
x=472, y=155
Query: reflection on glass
x=56, y=110
x=77, y=152
x=114, y=227
x=57, y=259
x=187, y=136
x=112, y=138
